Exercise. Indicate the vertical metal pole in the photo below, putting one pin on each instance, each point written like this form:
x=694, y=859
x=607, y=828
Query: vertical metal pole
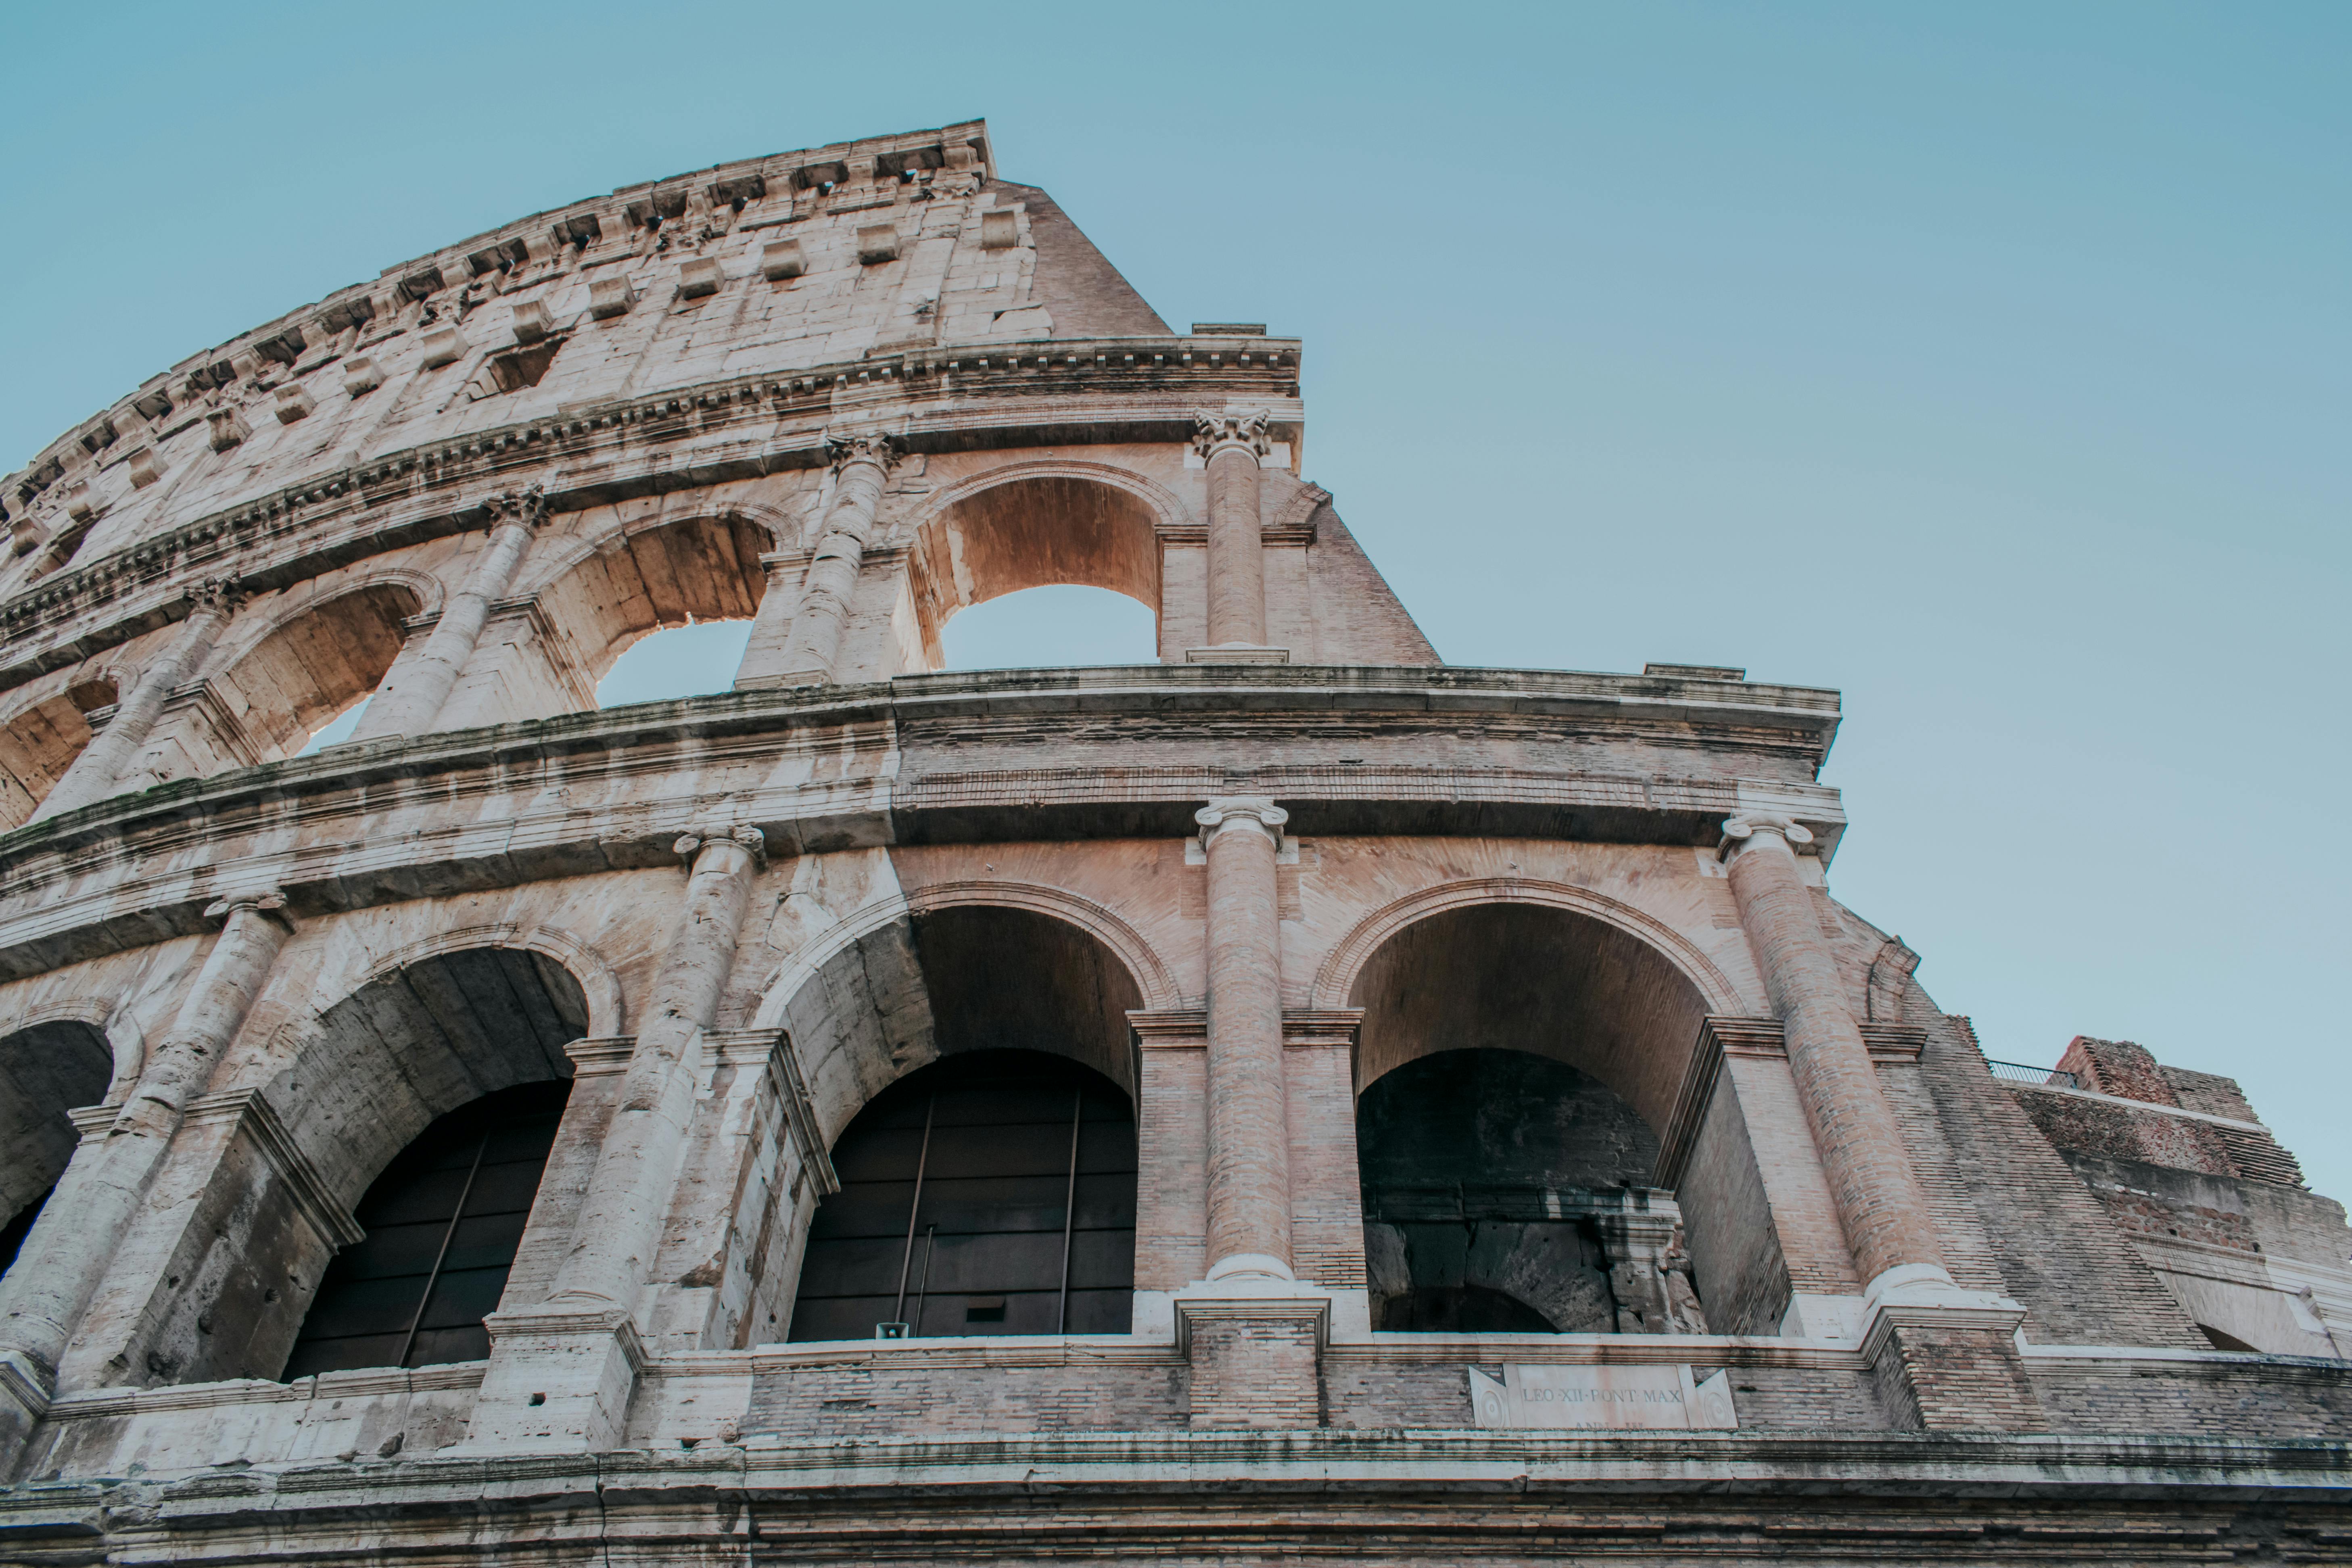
x=915, y=1325
x=1070, y=1207
x=433, y=1279
x=898, y=1312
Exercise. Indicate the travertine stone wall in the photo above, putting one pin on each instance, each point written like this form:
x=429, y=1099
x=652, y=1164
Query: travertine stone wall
x=842, y=395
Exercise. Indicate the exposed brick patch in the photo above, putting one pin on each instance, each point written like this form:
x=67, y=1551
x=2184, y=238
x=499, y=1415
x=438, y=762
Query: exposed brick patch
x=1953, y=1379
x=1254, y=1372
x=2078, y=1277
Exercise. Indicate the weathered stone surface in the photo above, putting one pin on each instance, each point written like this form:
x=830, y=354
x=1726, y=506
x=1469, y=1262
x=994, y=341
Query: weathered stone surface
x=1275, y=887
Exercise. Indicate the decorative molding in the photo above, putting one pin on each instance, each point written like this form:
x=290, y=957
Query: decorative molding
x=605, y=1055
x=1321, y=1027
x=876, y=449
x=552, y=1320
x=1170, y=1029
x=250, y=1116
x=773, y=1050
x=1244, y=430
x=1230, y=811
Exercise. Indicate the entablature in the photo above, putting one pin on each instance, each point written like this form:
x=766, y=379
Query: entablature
x=844, y=767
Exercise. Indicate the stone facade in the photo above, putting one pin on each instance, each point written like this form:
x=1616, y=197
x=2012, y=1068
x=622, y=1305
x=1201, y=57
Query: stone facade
x=1686, y=1225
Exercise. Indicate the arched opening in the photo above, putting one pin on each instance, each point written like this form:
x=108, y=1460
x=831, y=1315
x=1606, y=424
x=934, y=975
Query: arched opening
x=1031, y=533
x=679, y=661
x=316, y=666
x=444, y=1223
x=45, y=1071
x=39, y=742
x=428, y=1100
x=993, y=1193
x=686, y=573
x=1516, y=1063
x=1014, y=1024
x=1052, y=628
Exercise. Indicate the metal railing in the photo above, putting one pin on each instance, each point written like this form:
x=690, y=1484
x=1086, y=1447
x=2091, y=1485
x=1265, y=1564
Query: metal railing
x=2041, y=1077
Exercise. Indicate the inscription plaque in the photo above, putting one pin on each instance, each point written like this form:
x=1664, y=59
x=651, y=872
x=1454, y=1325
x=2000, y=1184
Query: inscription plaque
x=1603, y=1398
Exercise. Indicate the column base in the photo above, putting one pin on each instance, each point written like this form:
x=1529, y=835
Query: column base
x=23, y=1405
x=1943, y=1359
x=780, y=682
x=1256, y=1344
x=1237, y=652
x=560, y=1381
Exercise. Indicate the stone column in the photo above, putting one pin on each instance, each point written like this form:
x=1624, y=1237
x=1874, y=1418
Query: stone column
x=1230, y=446
x=620, y=1226
x=563, y=1372
x=772, y=626
x=66, y=1257
x=412, y=694
x=1249, y=1156
x=95, y=772
x=861, y=465
x=1886, y=1216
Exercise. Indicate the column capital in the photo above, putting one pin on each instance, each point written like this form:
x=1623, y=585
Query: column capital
x=1244, y=430
x=266, y=901
x=1255, y=811
x=528, y=508
x=873, y=446
x=221, y=596
x=751, y=840
x=1741, y=833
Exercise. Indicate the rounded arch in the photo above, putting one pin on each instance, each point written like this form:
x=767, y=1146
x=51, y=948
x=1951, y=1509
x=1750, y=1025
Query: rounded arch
x=311, y=655
x=903, y=982
x=126, y=1047
x=1031, y=524
x=1547, y=968
x=417, y=1040
x=1144, y=965
x=1336, y=977
x=600, y=988
x=606, y=591
x=49, y=1066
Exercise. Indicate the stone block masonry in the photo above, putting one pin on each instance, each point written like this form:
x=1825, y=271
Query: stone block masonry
x=877, y=1111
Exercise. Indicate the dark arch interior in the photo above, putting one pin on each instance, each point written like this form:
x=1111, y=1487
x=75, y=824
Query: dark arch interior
x=420, y=1043
x=45, y=1071
x=991, y=1193
x=443, y=1223
x=426, y=1100
x=1514, y=1064
x=1531, y=978
x=1480, y=1170
x=1008, y=979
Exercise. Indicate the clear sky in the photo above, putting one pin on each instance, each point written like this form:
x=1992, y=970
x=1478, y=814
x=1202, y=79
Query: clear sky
x=1991, y=363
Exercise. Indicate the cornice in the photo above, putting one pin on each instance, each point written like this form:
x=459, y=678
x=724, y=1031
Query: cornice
x=798, y=175
x=957, y=397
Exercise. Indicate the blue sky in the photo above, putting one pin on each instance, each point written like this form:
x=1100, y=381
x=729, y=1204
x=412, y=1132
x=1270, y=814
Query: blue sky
x=1993, y=363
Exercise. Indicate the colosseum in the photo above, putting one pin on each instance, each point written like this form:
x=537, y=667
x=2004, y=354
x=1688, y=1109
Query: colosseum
x=527, y=1132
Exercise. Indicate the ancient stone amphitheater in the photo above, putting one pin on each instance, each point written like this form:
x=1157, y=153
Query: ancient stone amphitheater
x=1293, y=1098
